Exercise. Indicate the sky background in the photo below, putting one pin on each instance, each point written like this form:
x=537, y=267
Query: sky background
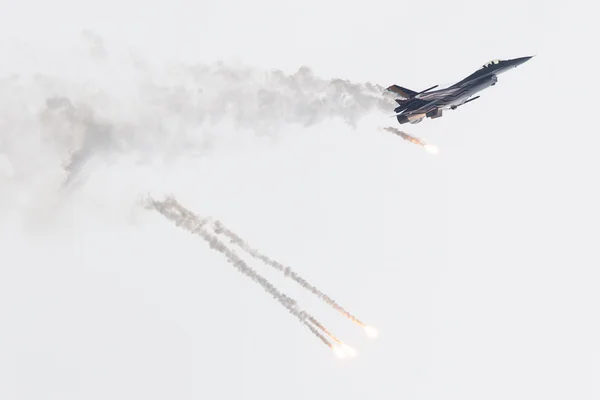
x=479, y=265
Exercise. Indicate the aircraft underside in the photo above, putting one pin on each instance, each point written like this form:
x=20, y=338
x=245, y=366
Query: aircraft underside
x=450, y=100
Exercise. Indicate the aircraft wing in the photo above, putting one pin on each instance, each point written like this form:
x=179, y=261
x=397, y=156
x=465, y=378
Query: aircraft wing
x=434, y=100
x=439, y=95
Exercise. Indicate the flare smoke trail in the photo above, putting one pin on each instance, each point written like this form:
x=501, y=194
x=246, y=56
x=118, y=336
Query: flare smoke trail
x=430, y=148
x=186, y=219
x=234, y=238
x=321, y=327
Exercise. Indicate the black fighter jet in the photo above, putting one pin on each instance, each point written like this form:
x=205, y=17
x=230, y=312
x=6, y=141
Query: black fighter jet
x=414, y=106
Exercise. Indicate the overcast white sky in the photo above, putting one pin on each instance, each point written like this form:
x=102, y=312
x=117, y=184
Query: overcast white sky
x=479, y=265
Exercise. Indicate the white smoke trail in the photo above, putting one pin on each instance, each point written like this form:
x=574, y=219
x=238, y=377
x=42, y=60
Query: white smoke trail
x=187, y=220
x=101, y=102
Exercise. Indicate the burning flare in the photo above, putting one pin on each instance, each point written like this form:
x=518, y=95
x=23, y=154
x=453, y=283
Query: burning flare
x=349, y=350
x=339, y=352
x=343, y=351
x=371, y=332
x=431, y=148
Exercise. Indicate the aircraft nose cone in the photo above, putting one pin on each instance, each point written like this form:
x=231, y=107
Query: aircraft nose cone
x=521, y=60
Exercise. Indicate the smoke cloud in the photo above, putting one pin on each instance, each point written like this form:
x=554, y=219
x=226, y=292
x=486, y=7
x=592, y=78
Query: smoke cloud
x=101, y=103
x=74, y=126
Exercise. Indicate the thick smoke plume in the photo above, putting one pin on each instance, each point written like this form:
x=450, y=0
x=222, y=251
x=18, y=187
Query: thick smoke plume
x=104, y=103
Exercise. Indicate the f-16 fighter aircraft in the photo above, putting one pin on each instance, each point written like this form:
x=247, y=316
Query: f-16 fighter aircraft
x=414, y=106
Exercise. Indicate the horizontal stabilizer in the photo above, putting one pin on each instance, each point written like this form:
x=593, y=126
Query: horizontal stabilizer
x=400, y=91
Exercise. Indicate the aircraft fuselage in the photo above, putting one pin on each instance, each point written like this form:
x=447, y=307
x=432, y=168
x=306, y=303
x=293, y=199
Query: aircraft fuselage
x=417, y=106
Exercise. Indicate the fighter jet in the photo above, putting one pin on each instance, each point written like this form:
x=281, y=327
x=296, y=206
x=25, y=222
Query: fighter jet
x=414, y=106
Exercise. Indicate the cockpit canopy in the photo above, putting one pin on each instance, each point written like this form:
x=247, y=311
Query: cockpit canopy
x=490, y=63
